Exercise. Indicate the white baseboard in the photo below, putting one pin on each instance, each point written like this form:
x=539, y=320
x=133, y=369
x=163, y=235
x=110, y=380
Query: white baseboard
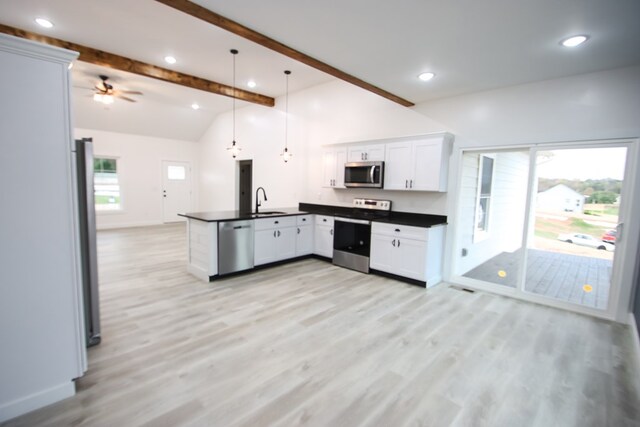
x=35, y=401
x=636, y=337
x=127, y=225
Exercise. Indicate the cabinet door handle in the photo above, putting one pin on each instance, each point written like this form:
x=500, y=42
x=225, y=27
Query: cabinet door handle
x=411, y=184
x=366, y=156
x=298, y=230
x=398, y=242
x=406, y=183
x=281, y=233
x=393, y=242
x=331, y=231
x=274, y=233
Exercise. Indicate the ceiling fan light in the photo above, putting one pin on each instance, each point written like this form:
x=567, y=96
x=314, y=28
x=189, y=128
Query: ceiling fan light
x=107, y=99
x=97, y=97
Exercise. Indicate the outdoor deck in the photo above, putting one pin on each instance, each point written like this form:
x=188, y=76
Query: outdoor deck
x=556, y=275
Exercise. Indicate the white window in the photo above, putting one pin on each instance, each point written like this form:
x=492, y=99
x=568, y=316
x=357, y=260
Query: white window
x=106, y=184
x=483, y=199
x=176, y=173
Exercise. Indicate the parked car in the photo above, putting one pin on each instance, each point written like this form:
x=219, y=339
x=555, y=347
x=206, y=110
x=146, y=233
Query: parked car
x=586, y=240
x=609, y=237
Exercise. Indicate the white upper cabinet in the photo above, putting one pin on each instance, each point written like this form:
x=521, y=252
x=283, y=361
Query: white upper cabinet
x=366, y=153
x=419, y=164
x=333, y=160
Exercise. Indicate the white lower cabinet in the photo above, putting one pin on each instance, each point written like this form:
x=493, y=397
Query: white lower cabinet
x=412, y=252
x=275, y=240
x=304, y=236
x=323, y=236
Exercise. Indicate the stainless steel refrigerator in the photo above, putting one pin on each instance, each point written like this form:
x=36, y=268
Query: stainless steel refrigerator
x=88, y=240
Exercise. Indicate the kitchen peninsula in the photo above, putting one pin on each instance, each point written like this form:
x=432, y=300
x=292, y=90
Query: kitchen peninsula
x=402, y=245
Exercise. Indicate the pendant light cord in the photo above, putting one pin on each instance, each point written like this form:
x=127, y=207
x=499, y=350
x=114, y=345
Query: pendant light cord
x=234, y=52
x=286, y=114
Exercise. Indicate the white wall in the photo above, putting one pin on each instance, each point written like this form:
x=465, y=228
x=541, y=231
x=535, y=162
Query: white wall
x=506, y=210
x=140, y=174
x=331, y=113
x=590, y=106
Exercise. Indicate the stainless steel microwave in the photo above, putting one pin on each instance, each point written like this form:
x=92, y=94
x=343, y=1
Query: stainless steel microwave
x=364, y=174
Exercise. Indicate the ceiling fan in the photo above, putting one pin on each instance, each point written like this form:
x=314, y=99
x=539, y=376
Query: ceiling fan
x=104, y=92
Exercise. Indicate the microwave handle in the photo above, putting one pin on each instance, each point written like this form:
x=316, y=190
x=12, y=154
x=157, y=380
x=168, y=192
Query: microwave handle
x=372, y=173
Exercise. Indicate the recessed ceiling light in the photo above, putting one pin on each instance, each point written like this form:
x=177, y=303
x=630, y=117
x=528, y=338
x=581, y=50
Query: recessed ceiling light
x=44, y=22
x=574, y=41
x=195, y=106
x=251, y=84
x=425, y=77
x=170, y=59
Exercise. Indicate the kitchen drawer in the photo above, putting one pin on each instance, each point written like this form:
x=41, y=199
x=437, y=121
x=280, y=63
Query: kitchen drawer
x=277, y=222
x=324, y=220
x=403, y=231
x=304, y=219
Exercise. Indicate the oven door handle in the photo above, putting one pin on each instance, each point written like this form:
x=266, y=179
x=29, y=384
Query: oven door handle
x=354, y=221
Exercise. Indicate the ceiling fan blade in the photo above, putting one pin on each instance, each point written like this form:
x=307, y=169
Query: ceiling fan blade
x=101, y=87
x=124, y=97
x=131, y=92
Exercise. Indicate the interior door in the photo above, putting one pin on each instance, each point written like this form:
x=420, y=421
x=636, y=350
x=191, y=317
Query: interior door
x=176, y=190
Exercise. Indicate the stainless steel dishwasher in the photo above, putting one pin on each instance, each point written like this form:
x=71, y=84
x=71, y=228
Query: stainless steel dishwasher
x=235, y=246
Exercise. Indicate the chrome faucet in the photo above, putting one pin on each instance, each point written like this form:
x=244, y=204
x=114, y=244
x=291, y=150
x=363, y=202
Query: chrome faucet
x=257, y=201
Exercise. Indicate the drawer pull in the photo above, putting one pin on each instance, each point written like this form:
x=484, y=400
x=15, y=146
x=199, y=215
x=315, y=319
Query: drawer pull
x=324, y=219
x=276, y=222
x=397, y=230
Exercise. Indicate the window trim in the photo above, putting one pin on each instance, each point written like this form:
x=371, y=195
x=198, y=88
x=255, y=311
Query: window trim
x=478, y=234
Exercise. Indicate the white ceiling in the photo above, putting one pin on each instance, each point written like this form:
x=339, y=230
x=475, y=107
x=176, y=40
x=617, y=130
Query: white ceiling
x=471, y=46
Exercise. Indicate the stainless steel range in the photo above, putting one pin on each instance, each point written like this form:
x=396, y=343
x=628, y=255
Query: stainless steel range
x=352, y=233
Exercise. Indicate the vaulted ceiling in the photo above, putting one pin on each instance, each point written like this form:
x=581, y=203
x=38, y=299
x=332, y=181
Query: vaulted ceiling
x=471, y=46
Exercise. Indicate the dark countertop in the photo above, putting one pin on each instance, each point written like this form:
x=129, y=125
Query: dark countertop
x=220, y=216
x=393, y=217
x=401, y=218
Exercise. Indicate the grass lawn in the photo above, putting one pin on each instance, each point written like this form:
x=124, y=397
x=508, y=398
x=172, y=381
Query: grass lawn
x=550, y=228
x=107, y=200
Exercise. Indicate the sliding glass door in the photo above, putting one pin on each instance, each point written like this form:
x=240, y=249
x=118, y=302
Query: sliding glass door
x=575, y=213
x=541, y=222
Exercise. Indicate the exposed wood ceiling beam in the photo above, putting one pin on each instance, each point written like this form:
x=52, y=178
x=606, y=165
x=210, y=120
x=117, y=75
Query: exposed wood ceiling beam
x=106, y=59
x=213, y=18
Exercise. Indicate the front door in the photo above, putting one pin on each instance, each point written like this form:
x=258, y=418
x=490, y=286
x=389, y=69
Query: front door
x=176, y=190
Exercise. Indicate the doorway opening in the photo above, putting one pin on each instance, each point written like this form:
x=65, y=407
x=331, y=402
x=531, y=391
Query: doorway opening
x=244, y=186
x=542, y=222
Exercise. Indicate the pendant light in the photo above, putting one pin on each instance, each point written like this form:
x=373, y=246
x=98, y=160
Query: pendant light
x=286, y=154
x=234, y=148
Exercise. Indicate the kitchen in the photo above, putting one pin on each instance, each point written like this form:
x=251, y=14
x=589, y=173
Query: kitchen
x=237, y=317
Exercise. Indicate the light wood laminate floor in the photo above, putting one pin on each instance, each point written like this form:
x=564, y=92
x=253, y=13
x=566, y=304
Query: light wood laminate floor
x=309, y=343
